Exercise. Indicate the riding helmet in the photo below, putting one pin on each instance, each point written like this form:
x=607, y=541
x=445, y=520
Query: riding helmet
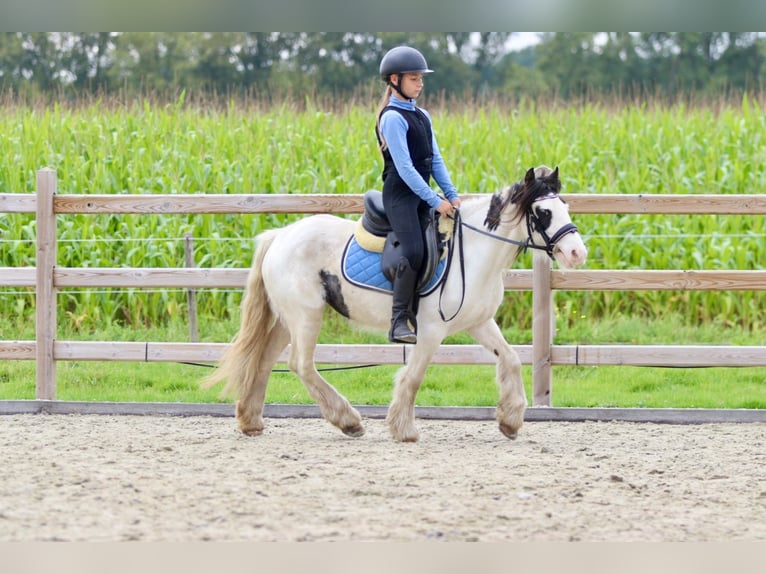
x=403, y=60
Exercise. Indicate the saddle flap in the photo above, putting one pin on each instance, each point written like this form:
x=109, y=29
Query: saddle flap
x=363, y=268
x=434, y=248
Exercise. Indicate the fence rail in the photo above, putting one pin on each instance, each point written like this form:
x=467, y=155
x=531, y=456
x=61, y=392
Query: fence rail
x=572, y=355
x=697, y=204
x=518, y=280
x=542, y=280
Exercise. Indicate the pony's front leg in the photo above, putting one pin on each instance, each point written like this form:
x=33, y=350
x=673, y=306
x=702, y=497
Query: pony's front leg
x=513, y=398
x=401, y=412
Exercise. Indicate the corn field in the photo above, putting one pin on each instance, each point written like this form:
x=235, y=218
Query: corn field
x=146, y=147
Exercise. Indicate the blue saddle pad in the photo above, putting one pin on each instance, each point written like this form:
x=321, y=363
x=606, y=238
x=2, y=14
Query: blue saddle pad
x=362, y=268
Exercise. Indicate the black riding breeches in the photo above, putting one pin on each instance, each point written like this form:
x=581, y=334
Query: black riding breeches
x=407, y=214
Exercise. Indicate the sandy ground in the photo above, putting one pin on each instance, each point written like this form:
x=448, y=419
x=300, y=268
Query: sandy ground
x=151, y=478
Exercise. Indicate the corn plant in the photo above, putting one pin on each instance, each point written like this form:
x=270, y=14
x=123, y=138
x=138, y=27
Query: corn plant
x=147, y=147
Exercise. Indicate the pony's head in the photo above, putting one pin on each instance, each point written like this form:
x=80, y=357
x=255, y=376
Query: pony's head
x=549, y=226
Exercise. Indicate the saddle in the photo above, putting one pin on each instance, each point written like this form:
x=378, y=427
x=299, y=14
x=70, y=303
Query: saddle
x=374, y=233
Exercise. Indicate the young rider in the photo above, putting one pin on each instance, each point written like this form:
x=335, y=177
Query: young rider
x=411, y=157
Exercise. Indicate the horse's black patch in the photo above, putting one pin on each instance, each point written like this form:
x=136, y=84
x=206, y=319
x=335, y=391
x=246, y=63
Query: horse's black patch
x=497, y=204
x=544, y=217
x=332, y=292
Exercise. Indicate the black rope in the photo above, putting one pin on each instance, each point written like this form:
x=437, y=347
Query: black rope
x=349, y=368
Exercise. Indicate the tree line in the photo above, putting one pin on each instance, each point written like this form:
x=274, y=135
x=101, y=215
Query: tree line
x=339, y=65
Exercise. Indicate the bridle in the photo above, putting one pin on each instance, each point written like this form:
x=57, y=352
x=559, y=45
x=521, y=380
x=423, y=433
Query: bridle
x=533, y=224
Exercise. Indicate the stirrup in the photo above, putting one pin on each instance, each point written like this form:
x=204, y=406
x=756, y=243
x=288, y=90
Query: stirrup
x=401, y=333
x=408, y=338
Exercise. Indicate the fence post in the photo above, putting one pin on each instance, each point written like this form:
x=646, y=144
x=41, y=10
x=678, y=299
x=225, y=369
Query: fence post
x=542, y=330
x=45, y=299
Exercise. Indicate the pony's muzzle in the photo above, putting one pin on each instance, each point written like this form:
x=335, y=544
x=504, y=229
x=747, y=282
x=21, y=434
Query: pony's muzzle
x=570, y=251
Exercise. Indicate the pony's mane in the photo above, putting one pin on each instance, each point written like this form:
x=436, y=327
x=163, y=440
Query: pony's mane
x=537, y=183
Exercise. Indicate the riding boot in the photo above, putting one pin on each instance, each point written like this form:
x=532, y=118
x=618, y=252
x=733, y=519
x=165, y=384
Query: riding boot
x=402, y=316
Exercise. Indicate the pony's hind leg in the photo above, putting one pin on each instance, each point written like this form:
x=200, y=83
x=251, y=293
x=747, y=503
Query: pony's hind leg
x=249, y=408
x=513, y=398
x=335, y=407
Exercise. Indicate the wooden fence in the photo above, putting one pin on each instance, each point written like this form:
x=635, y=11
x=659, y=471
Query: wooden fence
x=47, y=277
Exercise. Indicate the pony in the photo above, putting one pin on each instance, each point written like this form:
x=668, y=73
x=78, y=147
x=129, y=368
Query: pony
x=296, y=272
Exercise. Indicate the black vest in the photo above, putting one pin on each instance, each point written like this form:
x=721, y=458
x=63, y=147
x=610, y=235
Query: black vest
x=419, y=142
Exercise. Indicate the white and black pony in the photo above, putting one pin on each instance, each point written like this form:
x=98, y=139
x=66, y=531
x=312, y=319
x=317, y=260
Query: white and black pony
x=298, y=270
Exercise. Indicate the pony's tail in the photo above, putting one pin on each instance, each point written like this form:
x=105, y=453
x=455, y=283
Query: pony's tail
x=239, y=363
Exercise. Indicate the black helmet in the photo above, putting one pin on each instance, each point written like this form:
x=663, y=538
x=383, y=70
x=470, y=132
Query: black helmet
x=403, y=60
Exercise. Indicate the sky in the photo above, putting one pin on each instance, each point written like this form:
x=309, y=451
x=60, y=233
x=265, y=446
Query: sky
x=520, y=40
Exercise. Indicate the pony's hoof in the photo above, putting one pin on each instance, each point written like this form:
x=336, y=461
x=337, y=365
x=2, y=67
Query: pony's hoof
x=252, y=432
x=413, y=436
x=353, y=431
x=509, y=431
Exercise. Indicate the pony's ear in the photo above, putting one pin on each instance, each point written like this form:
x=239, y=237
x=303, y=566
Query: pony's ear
x=529, y=178
x=555, y=174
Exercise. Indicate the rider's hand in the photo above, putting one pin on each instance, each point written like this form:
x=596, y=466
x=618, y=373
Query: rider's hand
x=445, y=208
x=456, y=203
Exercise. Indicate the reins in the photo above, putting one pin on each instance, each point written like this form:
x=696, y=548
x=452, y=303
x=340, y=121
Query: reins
x=458, y=233
x=528, y=244
x=533, y=223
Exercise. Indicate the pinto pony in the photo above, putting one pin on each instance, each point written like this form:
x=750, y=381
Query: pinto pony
x=296, y=273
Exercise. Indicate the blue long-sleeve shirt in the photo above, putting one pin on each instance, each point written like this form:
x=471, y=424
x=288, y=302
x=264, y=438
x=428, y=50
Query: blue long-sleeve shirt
x=394, y=127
